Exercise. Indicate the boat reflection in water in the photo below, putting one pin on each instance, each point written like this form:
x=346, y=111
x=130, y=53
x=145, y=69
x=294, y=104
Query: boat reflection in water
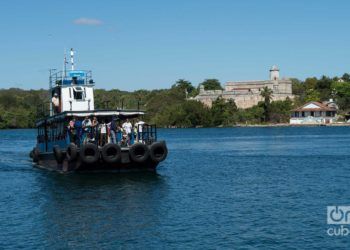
x=100, y=210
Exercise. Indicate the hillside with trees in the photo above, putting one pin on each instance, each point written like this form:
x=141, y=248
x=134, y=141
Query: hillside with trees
x=171, y=107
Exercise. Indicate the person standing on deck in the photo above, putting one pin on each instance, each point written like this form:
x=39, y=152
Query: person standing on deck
x=55, y=103
x=79, y=131
x=71, y=131
x=113, y=130
x=103, y=133
x=94, y=130
x=86, y=124
x=127, y=126
x=138, y=130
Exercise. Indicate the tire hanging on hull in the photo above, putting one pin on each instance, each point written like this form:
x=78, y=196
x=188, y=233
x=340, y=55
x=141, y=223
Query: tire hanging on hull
x=36, y=153
x=111, y=153
x=59, y=156
x=139, y=153
x=158, y=151
x=72, y=152
x=89, y=153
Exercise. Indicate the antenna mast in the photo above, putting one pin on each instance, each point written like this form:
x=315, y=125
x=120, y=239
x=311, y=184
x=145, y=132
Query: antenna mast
x=65, y=64
x=72, y=58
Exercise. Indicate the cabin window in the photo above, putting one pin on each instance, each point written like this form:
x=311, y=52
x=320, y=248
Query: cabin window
x=78, y=93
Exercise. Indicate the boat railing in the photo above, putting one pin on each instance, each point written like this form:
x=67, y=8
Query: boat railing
x=70, y=77
x=147, y=133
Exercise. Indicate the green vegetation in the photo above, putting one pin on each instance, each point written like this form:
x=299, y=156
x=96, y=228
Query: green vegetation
x=18, y=108
x=266, y=94
x=169, y=107
x=211, y=84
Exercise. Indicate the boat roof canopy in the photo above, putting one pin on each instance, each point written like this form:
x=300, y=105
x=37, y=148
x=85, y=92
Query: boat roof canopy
x=122, y=114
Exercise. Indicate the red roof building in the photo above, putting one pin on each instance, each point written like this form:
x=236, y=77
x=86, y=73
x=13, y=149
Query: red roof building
x=315, y=113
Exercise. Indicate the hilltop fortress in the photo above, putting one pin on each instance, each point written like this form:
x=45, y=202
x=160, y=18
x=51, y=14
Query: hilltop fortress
x=247, y=93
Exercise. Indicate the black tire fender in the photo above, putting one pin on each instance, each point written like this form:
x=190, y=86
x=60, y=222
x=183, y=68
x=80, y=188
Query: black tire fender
x=111, y=153
x=89, y=153
x=72, y=152
x=36, y=153
x=58, y=154
x=139, y=153
x=158, y=151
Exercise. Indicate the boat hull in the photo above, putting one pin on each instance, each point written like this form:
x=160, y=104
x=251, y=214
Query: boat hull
x=48, y=161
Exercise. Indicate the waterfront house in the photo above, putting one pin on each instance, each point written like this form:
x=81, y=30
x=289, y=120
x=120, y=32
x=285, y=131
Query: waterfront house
x=315, y=113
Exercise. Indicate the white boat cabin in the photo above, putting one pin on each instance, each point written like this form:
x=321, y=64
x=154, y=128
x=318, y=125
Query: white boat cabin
x=74, y=90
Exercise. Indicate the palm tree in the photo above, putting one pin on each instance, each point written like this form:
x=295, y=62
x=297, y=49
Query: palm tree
x=266, y=93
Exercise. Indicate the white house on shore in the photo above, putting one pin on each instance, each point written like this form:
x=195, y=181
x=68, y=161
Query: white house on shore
x=315, y=113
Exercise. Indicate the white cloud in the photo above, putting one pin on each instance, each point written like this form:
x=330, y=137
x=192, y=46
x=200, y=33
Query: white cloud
x=87, y=21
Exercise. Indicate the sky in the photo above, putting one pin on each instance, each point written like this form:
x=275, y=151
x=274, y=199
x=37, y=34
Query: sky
x=132, y=45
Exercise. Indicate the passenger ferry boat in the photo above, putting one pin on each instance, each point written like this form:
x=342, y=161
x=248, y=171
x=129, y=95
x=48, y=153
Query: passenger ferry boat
x=61, y=145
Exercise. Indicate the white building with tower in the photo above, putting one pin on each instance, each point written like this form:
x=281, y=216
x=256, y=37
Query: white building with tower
x=247, y=93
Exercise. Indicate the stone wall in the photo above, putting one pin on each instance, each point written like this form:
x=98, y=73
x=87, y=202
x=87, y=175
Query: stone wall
x=247, y=94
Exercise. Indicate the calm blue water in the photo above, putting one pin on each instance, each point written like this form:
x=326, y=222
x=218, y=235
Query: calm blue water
x=219, y=188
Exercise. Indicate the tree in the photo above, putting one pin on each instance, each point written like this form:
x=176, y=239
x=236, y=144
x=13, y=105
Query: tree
x=312, y=95
x=310, y=83
x=280, y=111
x=251, y=115
x=346, y=77
x=266, y=94
x=224, y=112
x=183, y=84
x=186, y=87
x=324, y=87
x=211, y=84
x=217, y=111
x=297, y=87
x=231, y=113
x=342, y=93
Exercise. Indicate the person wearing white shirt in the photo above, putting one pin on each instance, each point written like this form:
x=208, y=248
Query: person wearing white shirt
x=56, y=103
x=103, y=133
x=127, y=127
x=86, y=124
x=138, y=130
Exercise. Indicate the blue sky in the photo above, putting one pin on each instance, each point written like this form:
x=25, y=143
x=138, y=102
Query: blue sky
x=150, y=44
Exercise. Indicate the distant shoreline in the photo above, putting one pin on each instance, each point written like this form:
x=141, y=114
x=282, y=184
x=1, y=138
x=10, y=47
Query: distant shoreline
x=294, y=125
x=271, y=125
x=278, y=125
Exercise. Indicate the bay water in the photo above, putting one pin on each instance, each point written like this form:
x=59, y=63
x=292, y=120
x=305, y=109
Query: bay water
x=219, y=188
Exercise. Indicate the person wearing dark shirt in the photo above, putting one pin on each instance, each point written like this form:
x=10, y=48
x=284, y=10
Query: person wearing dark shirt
x=113, y=130
x=94, y=130
x=79, y=131
x=71, y=130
